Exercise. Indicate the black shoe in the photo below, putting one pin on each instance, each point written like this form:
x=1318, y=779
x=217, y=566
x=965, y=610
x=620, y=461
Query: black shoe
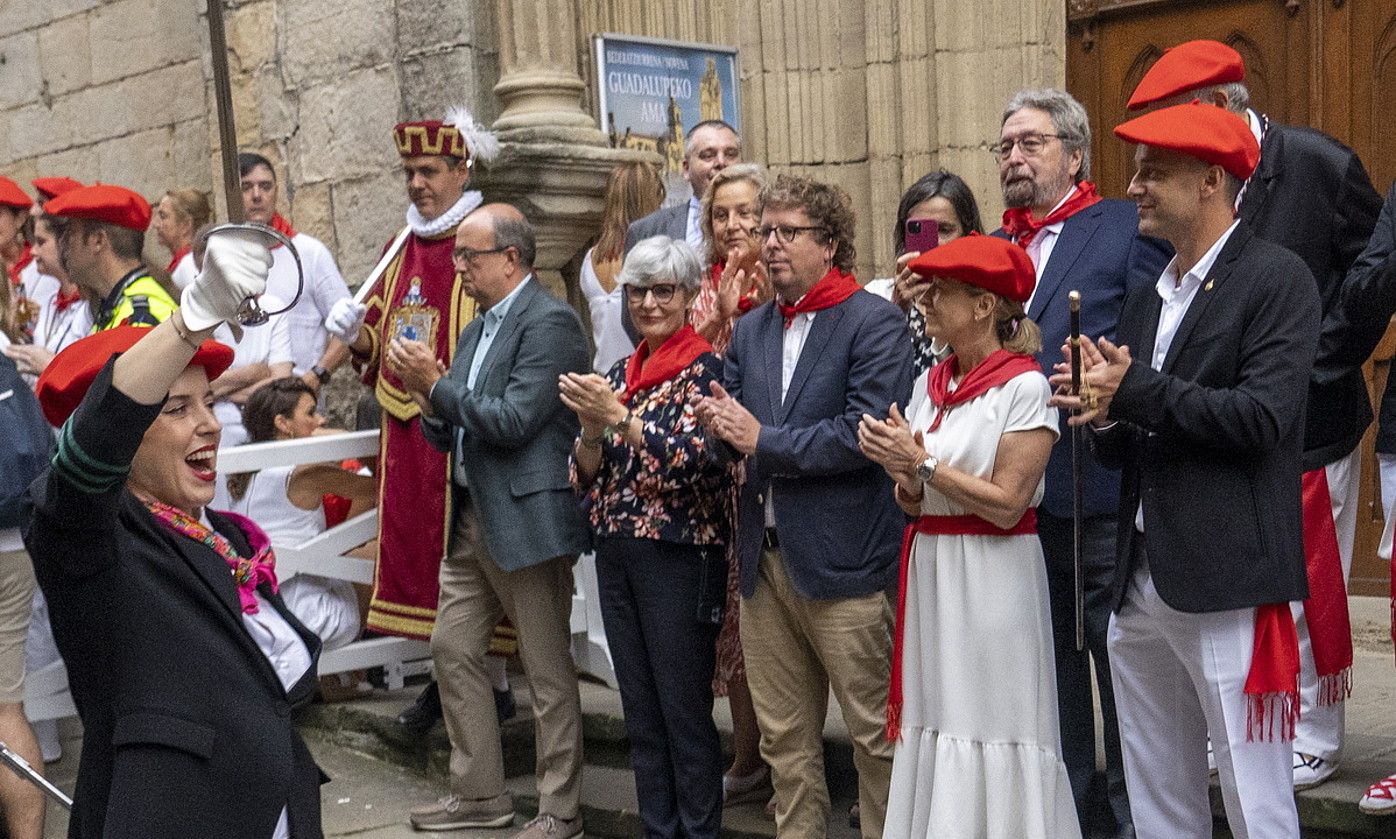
x=504, y=706
x=421, y=715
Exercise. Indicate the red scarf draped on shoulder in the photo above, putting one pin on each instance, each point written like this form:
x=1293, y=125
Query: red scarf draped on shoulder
x=643, y=371
x=175, y=260
x=1019, y=223
x=248, y=573
x=26, y=256
x=996, y=369
x=282, y=226
x=832, y=289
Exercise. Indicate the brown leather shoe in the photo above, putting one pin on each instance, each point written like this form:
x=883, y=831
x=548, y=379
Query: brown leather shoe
x=456, y=813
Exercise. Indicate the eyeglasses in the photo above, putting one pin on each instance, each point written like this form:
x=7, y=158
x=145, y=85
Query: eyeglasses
x=469, y=254
x=663, y=293
x=785, y=233
x=1031, y=144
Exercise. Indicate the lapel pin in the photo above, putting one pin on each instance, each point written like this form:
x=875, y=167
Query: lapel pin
x=1208, y=286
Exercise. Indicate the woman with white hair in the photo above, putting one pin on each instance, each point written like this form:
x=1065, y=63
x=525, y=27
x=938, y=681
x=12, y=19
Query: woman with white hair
x=660, y=508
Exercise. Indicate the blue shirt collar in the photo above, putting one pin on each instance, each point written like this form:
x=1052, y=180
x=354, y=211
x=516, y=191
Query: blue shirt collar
x=496, y=313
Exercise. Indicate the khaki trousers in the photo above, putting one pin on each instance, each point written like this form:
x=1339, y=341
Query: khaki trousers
x=475, y=592
x=796, y=649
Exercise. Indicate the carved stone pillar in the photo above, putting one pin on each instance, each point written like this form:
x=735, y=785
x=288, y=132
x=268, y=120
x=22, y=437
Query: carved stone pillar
x=553, y=160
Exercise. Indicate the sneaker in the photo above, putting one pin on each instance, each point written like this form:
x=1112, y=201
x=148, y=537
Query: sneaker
x=1310, y=771
x=548, y=826
x=739, y=789
x=455, y=813
x=1380, y=799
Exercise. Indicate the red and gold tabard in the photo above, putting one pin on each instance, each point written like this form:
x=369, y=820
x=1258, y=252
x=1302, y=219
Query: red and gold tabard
x=420, y=298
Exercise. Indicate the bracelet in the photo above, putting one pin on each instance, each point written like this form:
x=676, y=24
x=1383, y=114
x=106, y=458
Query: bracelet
x=182, y=330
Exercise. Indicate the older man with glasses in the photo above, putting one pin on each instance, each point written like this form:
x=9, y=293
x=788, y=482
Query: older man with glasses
x=818, y=527
x=1076, y=240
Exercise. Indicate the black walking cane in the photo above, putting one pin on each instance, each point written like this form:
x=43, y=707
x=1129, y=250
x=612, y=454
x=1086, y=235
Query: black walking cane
x=21, y=767
x=1079, y=592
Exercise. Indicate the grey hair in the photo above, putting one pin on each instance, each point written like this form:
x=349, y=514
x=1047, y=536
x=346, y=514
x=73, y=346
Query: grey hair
x=660, y=259
x=517, y=234
x=1238, y=97
x=1069, y=119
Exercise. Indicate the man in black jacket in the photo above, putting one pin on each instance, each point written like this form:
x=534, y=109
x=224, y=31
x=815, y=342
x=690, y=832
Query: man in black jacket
x=1210, y=437
x=1310, y=194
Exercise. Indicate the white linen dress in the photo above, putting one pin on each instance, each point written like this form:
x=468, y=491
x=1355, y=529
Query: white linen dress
x=979, y=754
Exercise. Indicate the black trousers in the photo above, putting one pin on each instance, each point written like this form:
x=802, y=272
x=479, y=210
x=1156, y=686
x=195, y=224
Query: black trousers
x=662, y=606
x=1074, y=703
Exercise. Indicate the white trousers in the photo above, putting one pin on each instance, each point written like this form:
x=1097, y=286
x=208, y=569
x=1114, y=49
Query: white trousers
x=1180, y=678
x=1320, y=729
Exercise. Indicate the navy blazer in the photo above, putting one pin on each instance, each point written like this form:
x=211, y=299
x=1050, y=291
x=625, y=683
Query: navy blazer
x=1099, y=253
x=516, y=433
x=839, y=526
x=1212, y=443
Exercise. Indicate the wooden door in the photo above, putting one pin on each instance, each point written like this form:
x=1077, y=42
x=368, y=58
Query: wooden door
x=1330, y=64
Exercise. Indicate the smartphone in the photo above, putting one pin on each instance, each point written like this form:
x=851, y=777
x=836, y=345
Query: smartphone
x=922, y=234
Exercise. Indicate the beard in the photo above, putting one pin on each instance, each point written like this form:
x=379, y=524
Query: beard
x=1044, y=190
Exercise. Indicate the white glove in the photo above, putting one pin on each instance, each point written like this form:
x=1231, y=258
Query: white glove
x=345, y=320
x=236, y=264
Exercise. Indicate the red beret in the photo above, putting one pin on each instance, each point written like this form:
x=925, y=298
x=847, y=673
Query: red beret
x=12, y=196
x=54, y=187
x=429, y=137
x=1205, y=132
x=986, y=262
x=102, y=202
x=67, y=377
x=1188, y=66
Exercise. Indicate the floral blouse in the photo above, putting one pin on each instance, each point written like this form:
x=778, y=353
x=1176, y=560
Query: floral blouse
x=672, y=489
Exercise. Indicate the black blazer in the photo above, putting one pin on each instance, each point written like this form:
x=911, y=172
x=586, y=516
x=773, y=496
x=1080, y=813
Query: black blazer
x=186, y=728
x=1311, y=194
x=1211, y=443
x=1364, y=312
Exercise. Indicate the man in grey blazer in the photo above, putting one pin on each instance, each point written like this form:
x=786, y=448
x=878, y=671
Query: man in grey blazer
x=517, y=528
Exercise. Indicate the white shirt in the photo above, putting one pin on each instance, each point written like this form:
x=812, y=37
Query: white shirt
x=1041, y=246
x=607, y=333
x=1177, y=297
x=270, y=343
x=694, y=233
x=54, y=330
x=185, y=272
x=323, y=288
x=791, y=345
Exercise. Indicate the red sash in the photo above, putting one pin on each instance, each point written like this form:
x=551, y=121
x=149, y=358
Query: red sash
x=282, y=226
x=997, y=368
x=1019, y=223
x=1326, y=610
x=174, y=260
x=1272, y=684
x=643, y=371
x=964, y=525
x=832, y=289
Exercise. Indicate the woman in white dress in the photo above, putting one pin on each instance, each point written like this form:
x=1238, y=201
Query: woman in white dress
x=633, y=191
x=287, y=502
x=972, y=705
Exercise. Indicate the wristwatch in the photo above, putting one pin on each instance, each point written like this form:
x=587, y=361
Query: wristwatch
x=623, y=427
x=321, y=373
x=927, y=469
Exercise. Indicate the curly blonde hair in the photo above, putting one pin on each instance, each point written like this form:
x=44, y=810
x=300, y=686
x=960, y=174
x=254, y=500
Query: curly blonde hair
x=827, y=206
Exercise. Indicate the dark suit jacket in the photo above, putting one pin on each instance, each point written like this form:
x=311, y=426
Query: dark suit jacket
x=838, y=524
x=666, y=221
x=1101, y=254
x=1212, y=442
x=186, y=727
x=516, y=434
x=1311, y=194
x=1355, y=326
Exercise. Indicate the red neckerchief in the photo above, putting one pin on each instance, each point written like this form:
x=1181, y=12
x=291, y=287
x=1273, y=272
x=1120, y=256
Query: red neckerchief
x=745, y=303
x=247, y=573
x=964, y=525
x=63, y=301
x=282, y=226
x=1019, y=223
x=832, y=289
x=997, y=368
x=644, y=371
x=26, y=256
x=174, y=260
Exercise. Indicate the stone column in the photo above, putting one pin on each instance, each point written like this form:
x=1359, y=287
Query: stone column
x=554, y=160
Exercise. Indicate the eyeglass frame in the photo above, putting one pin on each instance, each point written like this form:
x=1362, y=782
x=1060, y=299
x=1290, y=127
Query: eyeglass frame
x=464, y=254
x=763, y=232
x=635, y=294
x=1037, y=138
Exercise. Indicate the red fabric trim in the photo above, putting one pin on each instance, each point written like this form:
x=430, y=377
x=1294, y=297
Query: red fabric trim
x=1272, y=685
x=26, y=256
x=1019, y=223
x=964, y=525
x=997, y=368
x=832, y=289
x=1326, y=610
x=63, y=301
x=174, y=260
x=643, y=371
x=282, y=226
